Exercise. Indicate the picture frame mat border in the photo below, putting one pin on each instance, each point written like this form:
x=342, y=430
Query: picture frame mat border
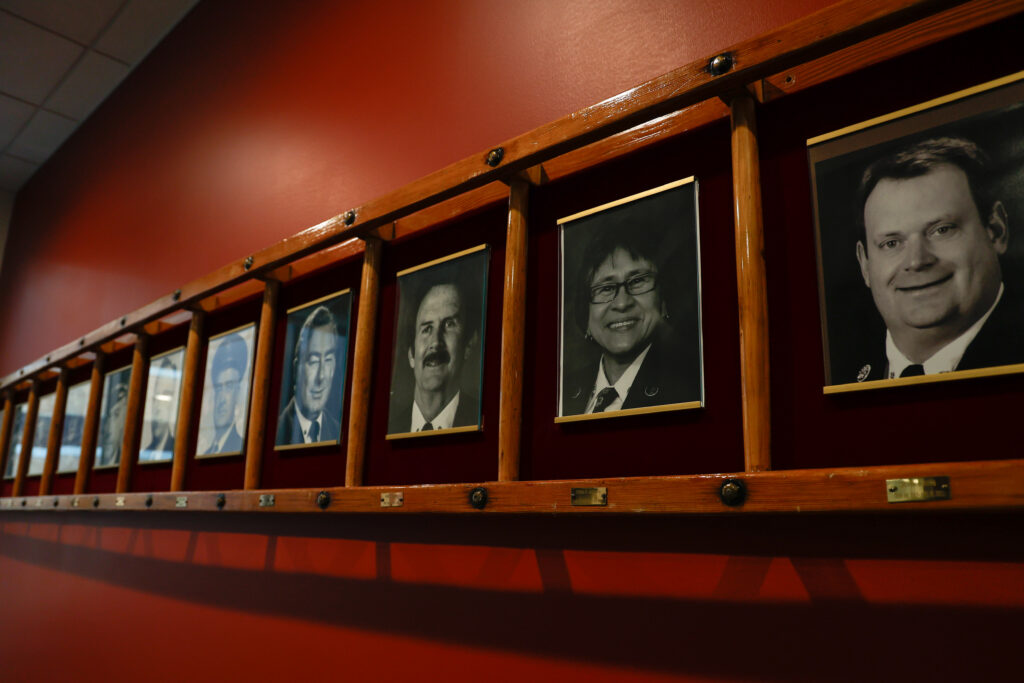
x=314, y=302
x=450, y=257
x=434, y=432
x=626, y=200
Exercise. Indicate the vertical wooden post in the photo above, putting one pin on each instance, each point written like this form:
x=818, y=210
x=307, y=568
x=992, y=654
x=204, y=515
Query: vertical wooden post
x=362, y=365
x=750, y=274
x=133, y=414
x=26, y=439
x=513, y=324
x=186, y=406
x=56, y=434
x=258, y=420
x=91, y=426
x=6, y=427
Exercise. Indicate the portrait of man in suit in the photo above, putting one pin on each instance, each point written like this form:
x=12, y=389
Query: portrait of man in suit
x=14, y=447
x=223, y=418
x=436, y=377
x=161, y=418
x=312, y=388
x=112, y=417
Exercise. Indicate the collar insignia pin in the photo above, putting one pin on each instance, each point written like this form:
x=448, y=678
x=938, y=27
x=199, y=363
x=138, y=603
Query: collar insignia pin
x=864, y=372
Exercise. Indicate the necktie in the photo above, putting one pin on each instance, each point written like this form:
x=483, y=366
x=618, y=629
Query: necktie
x=605, y=398
x=913, y=370
x=427, y=427
x=314, y=431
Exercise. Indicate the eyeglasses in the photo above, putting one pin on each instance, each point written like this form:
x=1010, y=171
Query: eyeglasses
x=638, y=284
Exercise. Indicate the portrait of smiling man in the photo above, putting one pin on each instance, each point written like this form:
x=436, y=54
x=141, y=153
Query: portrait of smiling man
x=933, y=236
x=311, y=396
x=436, y=378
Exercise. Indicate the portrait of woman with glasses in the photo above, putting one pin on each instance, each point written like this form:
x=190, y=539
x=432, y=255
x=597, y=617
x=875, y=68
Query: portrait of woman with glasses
x=631, y=306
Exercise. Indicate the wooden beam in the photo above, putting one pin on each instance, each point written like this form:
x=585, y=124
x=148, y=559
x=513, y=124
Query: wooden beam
x=751, y=285
x=133, y=414
x=6, y=427
x=362, y=364
x=513, y=333
x=190, y=383
x=56, y=434
x=262, y=370
x=90, y=430
x=26, y=440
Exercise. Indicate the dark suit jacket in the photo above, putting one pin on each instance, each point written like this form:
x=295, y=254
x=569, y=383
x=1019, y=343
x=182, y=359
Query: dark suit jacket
x=166, y=446
x=1000, y=341
x=669, y=374
x=466, y=415
x=233, y=444
x=289, y=431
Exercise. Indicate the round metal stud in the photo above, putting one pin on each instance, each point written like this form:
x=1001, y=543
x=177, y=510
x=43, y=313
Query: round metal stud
x=478, y=498
x=23, y=502
x=248, y=262
x=350, y=217
x=323, y=500
x=222, y=500
x=176, y=295
x=56, y=502
x=721, y=64
x=495, y=156
x=123, y=321
x=149, y=501
x=96, y=502
x=733, y=492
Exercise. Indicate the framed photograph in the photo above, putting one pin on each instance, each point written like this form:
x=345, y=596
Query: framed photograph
x=41, y=436
x=437, y=366
x=224, y=414
x=160, y=419
x=920, y=274
x=14, y=448
x=313, y=372
x=113, y=411
x=74, y=425
x=630, y=327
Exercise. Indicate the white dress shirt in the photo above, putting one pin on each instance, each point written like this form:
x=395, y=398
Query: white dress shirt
x=621, y=387
x=443, y=420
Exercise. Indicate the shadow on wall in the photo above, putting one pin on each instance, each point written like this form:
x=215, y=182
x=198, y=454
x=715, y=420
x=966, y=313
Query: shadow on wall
x=837, y=598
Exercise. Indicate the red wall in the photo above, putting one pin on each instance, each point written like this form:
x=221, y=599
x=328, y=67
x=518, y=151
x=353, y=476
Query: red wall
x=255, y=120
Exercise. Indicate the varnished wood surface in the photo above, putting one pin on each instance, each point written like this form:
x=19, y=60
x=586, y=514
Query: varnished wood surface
x=55, y=435
x=90, y=430
x=815, y=35
x=258, y=417
x=27, y=437
x=362, y=363
x=133, y=414
x=190, y=383
x=751, y=285
x=513, y=333
x=6, y=427
x=993, y=485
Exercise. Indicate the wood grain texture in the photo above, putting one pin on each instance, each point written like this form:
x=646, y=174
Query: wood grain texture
x=752, y=286
x=513, y=333
x=190, y=383
x=90, y=430
x=362, y=363
x=55, y=435
x=6, y=427
x=262, y=371
x=991, y=485
x=133, y=414
x=27, y=436
x=808, y=38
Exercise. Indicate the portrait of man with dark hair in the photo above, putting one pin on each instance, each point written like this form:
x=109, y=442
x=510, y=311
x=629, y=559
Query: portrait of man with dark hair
x=631, y=335
x=224, y=413
x=314, y=372
x=161, y=417
x=112, y=416
x=929, y=231
x=74, y=425
x=438, y=352
x=14, y=447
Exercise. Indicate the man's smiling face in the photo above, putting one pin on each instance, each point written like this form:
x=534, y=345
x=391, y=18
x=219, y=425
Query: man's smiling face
x=931, y=260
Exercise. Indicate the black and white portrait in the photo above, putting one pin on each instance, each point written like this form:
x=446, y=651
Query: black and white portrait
x=74, y=425
x=225, y=409
x=920, y=262
x=41, y=436
x=160, y=419
x=313, y=374
x=112, y=416
x=630, y=314
x=437, y=371
x=14, y=447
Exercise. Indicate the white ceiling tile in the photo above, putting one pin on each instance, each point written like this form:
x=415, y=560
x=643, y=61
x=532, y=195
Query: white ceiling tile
x=14, y=172
x=140, y=26
x=88, y=84
x=80, y=20
x=33, y=60
x=13, y=115
x=41, y=138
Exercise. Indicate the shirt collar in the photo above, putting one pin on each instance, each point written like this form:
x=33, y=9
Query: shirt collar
x=622, y=386
x=222, y=440
x=945, y=359
x=444, y=420
x=304, y=424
